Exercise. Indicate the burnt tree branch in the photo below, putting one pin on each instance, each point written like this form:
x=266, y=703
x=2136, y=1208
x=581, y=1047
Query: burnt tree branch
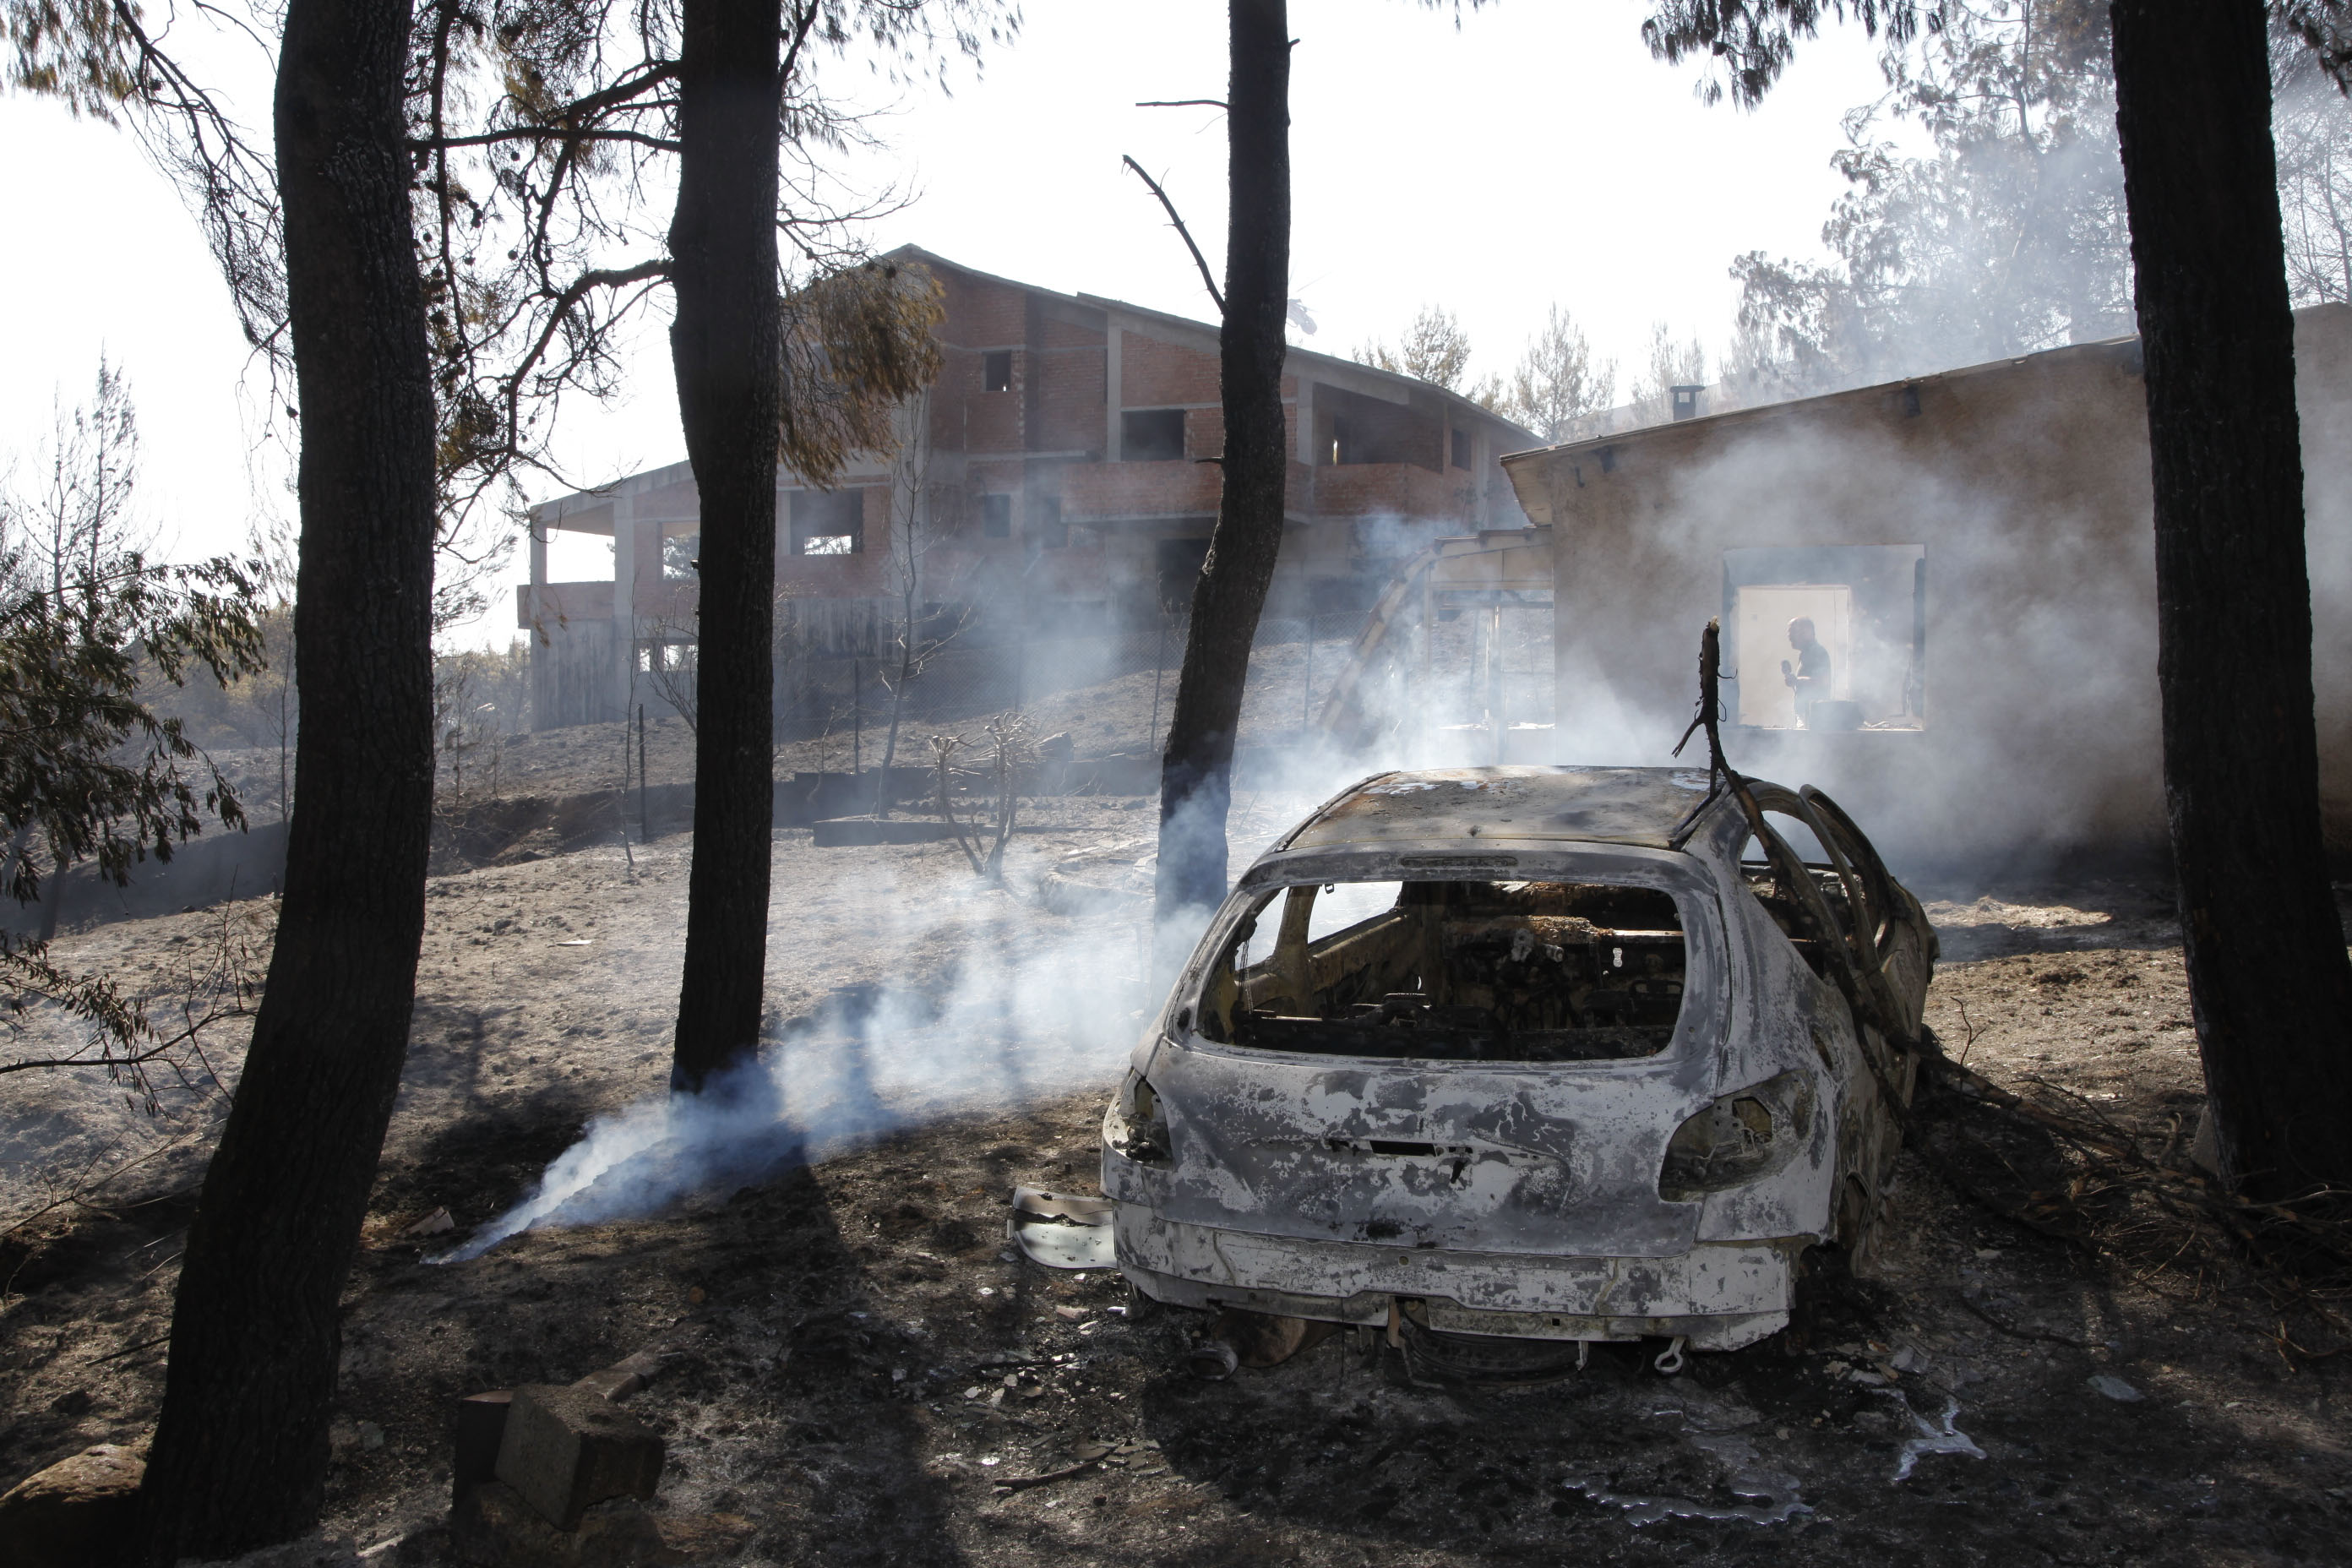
x=1208, y=279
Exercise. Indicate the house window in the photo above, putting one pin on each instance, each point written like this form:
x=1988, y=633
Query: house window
x=1051, y=531
x=1151, y=435
x=1347, y=443
x=996, y=516
x=1462, y=449
x=996, y=371
x=828, y=522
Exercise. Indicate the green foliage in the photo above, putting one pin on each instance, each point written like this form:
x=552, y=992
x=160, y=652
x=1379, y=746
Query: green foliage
x=89, y=772
x=1751, y=42
x=2010, y=235
x=1557, y=382
x=1434, y=349
x=79, y=51
x=856, y=343
x=539, y=126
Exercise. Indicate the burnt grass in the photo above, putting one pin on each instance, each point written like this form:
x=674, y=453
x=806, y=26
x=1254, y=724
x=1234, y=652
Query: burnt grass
x=854, y=1359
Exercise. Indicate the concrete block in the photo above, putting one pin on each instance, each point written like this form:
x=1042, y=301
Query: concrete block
x=77, y=1512
x=565, y=1449
x=481, y=1427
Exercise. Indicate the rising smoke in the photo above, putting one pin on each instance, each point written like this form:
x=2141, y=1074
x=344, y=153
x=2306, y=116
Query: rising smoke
x=1000, y=1006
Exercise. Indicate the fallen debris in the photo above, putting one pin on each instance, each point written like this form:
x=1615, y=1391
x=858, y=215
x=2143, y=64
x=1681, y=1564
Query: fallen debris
x=1023, y=1483
x=1776, y=1494
x=1940, y=1437
x=435, y=1224
x=1056, y=1231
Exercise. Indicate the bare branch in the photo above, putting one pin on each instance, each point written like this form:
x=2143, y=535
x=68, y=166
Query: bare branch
x=1198, y=261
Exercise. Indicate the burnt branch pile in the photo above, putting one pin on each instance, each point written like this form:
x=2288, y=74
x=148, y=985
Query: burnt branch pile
x=2132, y=1192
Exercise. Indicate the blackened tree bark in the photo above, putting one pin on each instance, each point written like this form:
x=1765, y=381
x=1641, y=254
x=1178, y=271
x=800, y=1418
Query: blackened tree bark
x=727, y=346
x=239, y=1457
x=2269, y=982
x=1196, y=769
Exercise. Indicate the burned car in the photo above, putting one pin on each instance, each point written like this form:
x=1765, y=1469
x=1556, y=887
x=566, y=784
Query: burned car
x=1495, y=1056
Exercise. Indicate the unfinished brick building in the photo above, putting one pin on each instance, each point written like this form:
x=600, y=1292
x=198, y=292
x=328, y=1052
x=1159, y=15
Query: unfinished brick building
x=1060, y=473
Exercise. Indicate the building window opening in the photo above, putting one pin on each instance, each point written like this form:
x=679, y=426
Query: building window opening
x=1491, y=972
x=828, y=522
x=1347, y=442
x=996, y=371
x=681, y=556
x=996, y=516
x=1828, y=637
x=1151, y=435
x=1462, y=449
x=1051, y=533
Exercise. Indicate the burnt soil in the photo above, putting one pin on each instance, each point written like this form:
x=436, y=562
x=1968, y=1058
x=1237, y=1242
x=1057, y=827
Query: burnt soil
x=853, y=1360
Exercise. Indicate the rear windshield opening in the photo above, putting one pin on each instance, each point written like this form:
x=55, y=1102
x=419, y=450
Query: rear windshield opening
x=1494, y=971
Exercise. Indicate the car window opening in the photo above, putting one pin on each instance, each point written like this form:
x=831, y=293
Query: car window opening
x=1491, y=972
x=1782, y=902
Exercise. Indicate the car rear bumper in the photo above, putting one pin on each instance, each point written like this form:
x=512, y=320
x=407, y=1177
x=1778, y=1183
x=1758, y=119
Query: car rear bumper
x=1717, y=1296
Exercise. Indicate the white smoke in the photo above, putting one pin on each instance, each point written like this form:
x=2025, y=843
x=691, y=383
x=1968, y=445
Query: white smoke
x=1002, y=1006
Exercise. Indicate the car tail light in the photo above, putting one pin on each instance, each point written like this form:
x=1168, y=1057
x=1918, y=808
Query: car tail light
x=1142, y=1133
x=1736, y=1139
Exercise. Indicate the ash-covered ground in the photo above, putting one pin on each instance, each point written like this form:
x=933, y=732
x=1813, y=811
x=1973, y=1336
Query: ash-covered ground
x=854, y=1362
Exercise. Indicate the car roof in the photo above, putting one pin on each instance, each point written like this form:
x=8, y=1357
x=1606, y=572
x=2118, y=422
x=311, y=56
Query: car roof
x=1648, y=807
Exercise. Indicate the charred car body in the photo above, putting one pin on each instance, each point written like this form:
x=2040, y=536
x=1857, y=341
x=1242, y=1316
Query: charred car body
x=1528, y=1054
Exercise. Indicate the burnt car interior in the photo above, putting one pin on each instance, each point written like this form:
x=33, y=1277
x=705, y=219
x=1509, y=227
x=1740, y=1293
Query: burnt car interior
x=1455, y=970
x=1849, y=883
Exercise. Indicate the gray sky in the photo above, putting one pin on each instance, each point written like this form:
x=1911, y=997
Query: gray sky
x=1537, y=154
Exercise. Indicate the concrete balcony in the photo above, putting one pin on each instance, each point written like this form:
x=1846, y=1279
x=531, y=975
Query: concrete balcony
x=1114, y=492
x=1109, y=492
x=1392, y=489
x=561, y=604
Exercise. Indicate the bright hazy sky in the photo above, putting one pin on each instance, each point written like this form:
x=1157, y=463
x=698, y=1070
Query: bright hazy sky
x=1536, y=155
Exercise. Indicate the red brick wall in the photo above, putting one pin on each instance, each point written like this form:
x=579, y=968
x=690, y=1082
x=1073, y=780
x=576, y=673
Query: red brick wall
x=981, y=314
x=1400, y=490
x=991, y=420
x=1156, y=375
x=1069, y=373
x=1139, y=489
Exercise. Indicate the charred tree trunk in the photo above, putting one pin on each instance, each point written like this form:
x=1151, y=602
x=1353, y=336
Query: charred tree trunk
x=727, y=346
x=239, y=1457
x=2268, y=978
x=1196, y=769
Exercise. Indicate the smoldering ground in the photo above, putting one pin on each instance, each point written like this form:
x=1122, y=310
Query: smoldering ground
x=836, y=1382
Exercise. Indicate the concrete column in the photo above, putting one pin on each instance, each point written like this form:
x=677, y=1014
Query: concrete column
x=624, y=601
x=541, y=656
x=1112, y=397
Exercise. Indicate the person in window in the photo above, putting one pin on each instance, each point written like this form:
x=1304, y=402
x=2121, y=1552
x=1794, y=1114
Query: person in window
x=1809, y=680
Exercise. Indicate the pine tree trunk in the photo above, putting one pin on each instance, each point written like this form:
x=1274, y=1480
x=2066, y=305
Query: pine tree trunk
x=727, y=348
x=1196, y=769
x=2270, y=985
x=239, y=1459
